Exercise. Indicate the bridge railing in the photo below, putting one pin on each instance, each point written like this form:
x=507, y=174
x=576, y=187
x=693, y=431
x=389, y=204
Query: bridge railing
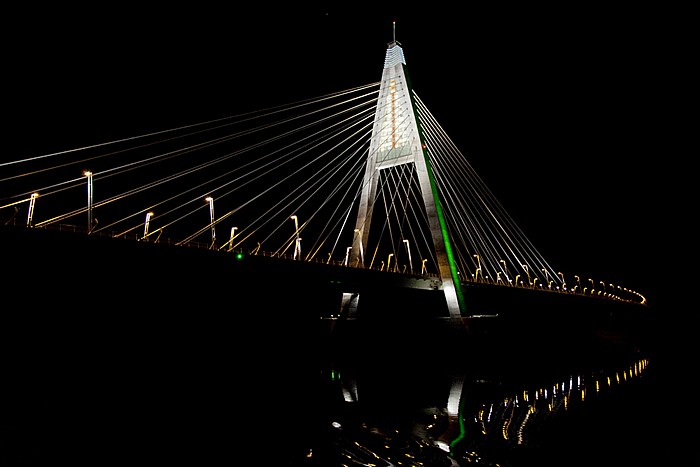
x=621, y=293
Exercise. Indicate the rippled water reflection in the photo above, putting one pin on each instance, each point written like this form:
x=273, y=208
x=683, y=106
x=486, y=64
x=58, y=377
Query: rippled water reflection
x=594, y=403
x=178, y=391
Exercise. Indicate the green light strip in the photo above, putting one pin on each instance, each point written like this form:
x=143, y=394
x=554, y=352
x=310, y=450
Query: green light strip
x=438, y=204
x=445, y=235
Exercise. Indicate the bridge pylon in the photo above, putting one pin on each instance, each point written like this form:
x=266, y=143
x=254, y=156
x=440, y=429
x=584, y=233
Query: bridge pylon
x=397, y=140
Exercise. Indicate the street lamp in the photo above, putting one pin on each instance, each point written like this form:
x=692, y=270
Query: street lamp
x=388, y=262
x=149, y=215
x=88, y=174
x=423, y=270
x=210, y=200
x=478, y=267
x=347, y=255
x=233, y=234
x=505, y=269
x=297, y=245
x=30, y=214
x=527, y=271
x=563, y=281
x=408, y=248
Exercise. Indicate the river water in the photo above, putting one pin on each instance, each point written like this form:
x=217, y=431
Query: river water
x=557, y=406
x=184, y=389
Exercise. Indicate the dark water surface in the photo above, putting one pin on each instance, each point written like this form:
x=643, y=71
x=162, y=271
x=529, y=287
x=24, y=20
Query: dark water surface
x=495, y=412
x=199, y=389
x=508, y=399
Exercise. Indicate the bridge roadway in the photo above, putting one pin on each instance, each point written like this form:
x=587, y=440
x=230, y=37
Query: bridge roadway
x=41, y=257
x=50, y=268
x=75, y=264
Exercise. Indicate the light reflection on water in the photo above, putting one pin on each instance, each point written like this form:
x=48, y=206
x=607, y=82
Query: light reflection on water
x=407, y=410
x=174, y=393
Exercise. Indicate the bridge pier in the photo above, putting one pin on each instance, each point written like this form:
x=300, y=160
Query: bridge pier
x=348, y=305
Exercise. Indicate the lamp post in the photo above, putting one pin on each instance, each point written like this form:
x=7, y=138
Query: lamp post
x=410, y=263
x=88, y=174
x=233, y=234
x=388, y=262
x=478, y=267
x=422, y=267
x=30, y=213
x=149, y=215
x=505, y=269
x=563, y=281
x=210, y=200
x=347, y=255
x=527, y=271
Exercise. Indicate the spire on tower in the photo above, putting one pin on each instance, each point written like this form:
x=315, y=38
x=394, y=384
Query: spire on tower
x=394, y=42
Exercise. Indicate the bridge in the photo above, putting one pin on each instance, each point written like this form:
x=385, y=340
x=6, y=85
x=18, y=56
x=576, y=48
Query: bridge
x=364, y=184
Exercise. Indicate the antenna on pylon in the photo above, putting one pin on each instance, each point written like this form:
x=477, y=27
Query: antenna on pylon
x=394, y=28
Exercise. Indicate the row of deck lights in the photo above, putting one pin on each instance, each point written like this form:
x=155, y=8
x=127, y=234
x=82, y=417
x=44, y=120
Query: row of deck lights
x=297, y=248
x=475, y=276
x=297, y=242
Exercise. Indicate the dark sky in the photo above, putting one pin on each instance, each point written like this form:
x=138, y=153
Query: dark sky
x=559, y=109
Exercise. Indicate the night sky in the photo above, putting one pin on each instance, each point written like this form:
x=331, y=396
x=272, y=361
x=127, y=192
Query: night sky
x=559, y=110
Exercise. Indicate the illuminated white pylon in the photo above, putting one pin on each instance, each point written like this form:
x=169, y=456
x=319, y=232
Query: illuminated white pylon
x=396, y=140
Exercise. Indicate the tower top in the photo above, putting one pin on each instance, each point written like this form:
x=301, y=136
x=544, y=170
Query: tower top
x=394, y=55
x=394, y=52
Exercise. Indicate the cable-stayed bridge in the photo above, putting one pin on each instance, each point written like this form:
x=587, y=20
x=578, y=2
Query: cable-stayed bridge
x=364, y=179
